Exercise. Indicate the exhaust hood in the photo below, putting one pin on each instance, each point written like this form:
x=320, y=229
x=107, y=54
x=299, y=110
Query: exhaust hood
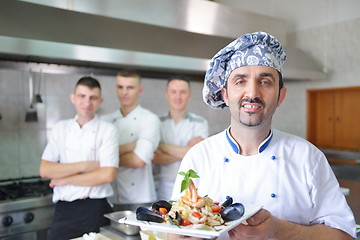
x=157, y=35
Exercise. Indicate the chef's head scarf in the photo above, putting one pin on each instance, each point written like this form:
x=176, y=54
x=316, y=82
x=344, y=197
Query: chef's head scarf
x=257, y=48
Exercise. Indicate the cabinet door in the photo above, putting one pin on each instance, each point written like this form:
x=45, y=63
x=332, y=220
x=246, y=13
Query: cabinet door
x=324, y=115
x=347, y=119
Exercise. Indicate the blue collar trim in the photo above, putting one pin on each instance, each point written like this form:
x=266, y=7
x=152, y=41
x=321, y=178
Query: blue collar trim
x=266, y=142
x=236, y=148
x=233, y=144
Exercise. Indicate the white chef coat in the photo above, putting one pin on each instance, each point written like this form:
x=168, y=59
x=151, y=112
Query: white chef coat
x=136, y=185
x=289, y=177
x=178, y=134
x=97, y=140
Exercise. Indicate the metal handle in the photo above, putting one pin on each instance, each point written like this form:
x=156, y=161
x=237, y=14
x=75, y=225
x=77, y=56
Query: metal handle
x=31, y=90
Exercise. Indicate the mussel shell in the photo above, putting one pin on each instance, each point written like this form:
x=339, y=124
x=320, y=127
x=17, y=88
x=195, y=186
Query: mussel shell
x=145, y=214
x=228, y=202
x=176, y=220
x=232, y=212
x=161, y=204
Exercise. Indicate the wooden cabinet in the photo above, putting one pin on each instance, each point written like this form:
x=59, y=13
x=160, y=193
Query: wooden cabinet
x=334, y=118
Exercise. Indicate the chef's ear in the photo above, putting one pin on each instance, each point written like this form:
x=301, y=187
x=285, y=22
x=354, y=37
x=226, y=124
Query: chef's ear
x=282, y=95
x=225, y=95
x=72, y=98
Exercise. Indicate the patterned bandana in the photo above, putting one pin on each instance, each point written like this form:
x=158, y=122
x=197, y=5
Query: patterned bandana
x=257, y=48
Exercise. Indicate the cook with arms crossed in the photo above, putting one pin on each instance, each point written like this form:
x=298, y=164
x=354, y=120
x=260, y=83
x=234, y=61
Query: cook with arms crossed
x=81, y=159
x=139, y=131
x=180, y=130
x=257, y=164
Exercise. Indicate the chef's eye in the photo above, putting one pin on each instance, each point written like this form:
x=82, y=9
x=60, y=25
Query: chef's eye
x=265, y=82
x=239, y=82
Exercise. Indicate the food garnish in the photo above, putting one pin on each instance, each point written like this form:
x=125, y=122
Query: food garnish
x=187, y=178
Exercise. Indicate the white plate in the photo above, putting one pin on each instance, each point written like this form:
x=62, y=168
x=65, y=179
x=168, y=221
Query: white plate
x=188, y=230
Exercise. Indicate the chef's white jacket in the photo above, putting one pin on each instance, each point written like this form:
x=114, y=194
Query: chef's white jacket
x=289, y=177
x=178, y=134
x=136, y=185
x=97, y=140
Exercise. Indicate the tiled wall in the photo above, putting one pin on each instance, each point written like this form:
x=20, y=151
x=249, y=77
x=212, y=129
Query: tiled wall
x=334, y=47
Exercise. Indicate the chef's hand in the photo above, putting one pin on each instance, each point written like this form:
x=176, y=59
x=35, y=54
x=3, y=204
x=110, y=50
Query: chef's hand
x=57, y=182
x=261, y=225
x=194, y=141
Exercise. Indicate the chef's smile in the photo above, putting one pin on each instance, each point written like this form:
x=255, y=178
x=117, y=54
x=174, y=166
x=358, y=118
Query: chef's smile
x=252, y=105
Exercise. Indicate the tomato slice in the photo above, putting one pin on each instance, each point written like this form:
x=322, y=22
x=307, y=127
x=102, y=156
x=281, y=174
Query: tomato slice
x=216, y=208
x=185, y=222
x=163, y=211
x=216, y=203
x=196, y=214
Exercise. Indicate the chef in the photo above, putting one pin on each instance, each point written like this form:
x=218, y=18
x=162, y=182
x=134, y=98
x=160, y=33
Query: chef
x=81, y=159
x=139, y=131
x=257, y=164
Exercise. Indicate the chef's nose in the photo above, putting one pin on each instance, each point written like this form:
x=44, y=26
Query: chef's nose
x=252, y=90
x=124, y=91
x=87, y=101
x=177, y=95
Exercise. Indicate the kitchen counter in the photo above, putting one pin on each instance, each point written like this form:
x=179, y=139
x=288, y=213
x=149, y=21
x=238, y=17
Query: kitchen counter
x=341, y=154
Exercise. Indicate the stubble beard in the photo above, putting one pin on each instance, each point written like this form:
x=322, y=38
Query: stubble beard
x=251, y=121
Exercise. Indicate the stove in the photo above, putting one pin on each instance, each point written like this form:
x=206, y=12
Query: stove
x=26, y=208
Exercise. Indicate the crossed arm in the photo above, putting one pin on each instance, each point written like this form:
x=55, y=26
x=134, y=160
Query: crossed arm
x=87, y=173
x=128, y=158
x=168, y=153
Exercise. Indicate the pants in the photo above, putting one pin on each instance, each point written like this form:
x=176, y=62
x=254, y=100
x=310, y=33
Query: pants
x=74, y=219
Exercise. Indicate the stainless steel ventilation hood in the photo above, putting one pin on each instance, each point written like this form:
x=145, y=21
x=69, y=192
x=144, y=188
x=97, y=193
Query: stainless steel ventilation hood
x=157, y=35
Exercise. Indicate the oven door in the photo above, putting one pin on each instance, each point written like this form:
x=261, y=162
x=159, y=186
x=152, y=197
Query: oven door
x=35, y=235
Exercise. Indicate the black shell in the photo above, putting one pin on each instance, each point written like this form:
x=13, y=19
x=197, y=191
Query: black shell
x=176, y=220
x=232, y=212
x=145, y=214
x=161, y=204
x=227, y=202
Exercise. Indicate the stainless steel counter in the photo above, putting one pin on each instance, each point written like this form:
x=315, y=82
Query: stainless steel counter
x=342, y=154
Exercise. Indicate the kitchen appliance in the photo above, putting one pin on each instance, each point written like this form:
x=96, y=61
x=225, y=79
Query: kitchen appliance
x=120, y=231
x=26, y=209
x=124, y=228
x=196, y=28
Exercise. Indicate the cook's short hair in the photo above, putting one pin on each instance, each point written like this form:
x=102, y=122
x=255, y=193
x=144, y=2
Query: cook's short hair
x=178, y=77
x=129, y=73
x=89, y=82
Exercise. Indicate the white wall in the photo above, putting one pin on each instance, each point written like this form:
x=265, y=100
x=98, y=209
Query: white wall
x=336, y=48
x=301, y=15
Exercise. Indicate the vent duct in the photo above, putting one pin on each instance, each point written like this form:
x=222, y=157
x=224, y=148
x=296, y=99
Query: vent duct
x=158, y=35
